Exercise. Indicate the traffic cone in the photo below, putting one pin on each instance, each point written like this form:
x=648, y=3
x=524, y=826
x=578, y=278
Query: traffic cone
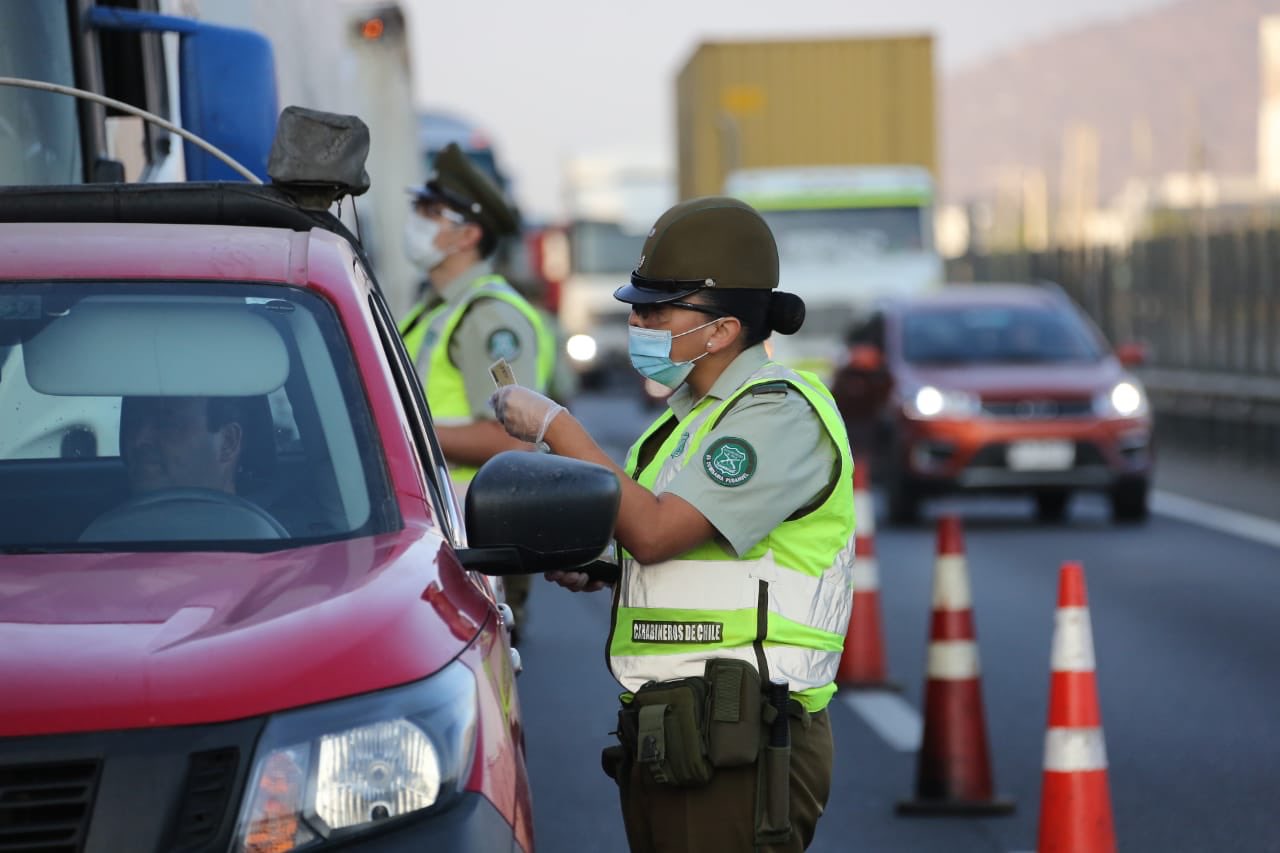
x=953, y=771
x=862, y=664
x=1075, y=801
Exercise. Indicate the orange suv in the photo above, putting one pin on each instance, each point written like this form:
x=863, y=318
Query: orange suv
x=997, y=388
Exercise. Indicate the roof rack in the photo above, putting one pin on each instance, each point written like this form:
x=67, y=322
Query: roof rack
x=197, y=203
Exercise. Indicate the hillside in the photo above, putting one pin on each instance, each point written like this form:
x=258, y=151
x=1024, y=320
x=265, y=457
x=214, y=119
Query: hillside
x=1150, y=85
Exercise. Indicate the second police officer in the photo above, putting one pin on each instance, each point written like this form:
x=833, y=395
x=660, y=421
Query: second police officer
x=737, y=530
x=469, y=318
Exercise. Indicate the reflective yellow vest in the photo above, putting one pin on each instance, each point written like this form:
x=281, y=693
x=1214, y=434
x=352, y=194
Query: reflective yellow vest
x=445, y=388
x=785, y=602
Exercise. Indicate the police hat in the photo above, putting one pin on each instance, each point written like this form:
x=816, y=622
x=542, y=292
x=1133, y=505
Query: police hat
x=705, y=242
x=458, y=183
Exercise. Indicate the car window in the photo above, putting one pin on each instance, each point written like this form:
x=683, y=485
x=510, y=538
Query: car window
x=192, y=415
x=995, y=334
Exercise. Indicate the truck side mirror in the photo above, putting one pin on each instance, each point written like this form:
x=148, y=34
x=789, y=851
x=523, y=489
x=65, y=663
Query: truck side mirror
x=534, y=512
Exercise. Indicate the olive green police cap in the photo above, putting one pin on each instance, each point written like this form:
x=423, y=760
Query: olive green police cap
x=704, y=242
x=457, y=182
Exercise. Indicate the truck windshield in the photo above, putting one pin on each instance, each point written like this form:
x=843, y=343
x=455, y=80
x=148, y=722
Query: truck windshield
x=604, y=248
x=39, y=131
x=181, y=417
x=846, y=234
x=996, y=334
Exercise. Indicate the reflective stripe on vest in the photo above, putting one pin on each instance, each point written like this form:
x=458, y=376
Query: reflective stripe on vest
x=670, y=618
x=445, y=388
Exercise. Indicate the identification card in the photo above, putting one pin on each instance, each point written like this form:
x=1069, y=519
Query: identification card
x=502, y=373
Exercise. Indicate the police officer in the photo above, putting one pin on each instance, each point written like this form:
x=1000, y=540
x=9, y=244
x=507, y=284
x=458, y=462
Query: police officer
x=737, y=528
x=468, y=319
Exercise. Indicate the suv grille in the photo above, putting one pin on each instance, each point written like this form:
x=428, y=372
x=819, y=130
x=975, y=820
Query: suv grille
x=211, y=777
x=44, y=808
x=1038, y=409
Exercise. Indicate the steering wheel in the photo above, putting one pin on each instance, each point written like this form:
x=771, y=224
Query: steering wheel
x=185, y=513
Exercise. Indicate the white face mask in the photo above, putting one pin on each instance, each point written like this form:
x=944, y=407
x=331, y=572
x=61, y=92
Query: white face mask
x=420, y=242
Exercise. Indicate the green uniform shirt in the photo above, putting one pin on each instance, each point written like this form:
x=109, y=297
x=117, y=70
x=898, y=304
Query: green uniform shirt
x=491, y=329
x=790, y=457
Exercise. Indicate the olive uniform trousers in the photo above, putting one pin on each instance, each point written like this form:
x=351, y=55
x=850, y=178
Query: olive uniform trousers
x=720, y=816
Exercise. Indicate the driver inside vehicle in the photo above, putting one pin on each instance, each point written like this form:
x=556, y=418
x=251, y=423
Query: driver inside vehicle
x=183, y=460
x=181, y=442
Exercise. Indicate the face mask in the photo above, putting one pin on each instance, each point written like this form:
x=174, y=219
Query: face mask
x=420, y=242
x=650, y=351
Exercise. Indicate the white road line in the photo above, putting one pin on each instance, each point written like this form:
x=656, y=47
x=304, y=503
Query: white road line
x=897, y=723
x=1218, y=518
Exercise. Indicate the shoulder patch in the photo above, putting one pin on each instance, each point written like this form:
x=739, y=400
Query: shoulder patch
x=778, y=387
x=503, y=343
x=730, y=461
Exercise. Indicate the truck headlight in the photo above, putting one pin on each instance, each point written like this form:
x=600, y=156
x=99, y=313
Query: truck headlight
x=334, y=770
x=929, y=402
x=1125, y=399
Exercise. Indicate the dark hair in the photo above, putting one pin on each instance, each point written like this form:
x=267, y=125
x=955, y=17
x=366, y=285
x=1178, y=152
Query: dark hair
x=759, y=311
x=488, y=241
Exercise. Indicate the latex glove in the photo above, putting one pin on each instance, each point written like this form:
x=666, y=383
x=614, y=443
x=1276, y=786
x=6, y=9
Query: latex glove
x=575, y=581
x=523, y=412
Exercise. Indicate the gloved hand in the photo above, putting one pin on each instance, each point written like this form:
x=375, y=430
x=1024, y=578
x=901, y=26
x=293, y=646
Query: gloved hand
x=524, y=413
x=575, y=581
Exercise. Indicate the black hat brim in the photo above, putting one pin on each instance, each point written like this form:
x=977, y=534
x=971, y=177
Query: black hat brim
x=639, y=294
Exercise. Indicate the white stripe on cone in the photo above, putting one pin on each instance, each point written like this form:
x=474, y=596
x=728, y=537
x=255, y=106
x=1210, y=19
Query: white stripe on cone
x=1074, y=750
x=864, y=512
x=953, y=660
x=951, y=583
x=1072, y=641
x=866, y=576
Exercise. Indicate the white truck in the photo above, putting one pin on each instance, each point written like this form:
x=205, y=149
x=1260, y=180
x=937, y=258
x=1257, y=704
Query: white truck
x=612, y=200
x=847, y=237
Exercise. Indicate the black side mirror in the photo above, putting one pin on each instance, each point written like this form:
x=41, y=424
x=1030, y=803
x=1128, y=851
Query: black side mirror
x=534, y=512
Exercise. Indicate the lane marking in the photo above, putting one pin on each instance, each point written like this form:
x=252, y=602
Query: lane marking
x=1218, y=518
x=889, y=715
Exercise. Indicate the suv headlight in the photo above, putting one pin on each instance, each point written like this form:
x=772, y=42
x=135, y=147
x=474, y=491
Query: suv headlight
x=929, y=402
x=1125, y=399
x=335, y=770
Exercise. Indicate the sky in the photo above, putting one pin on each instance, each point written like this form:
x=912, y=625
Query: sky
x=553, y=79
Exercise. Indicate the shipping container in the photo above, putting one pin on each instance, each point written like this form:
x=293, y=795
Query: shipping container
x=827, y=102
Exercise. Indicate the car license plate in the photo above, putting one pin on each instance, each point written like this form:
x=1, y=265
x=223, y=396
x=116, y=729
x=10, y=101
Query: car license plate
x=1041, y=455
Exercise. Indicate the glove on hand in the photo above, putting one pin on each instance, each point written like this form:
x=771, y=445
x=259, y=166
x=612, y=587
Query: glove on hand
x=524, y=413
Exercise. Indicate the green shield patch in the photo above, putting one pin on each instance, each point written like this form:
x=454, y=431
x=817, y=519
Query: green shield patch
x=503, y=343
x=730, y=461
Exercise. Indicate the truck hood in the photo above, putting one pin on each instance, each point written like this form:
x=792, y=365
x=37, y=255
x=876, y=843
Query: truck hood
x=130, y=640
x=1012, y=381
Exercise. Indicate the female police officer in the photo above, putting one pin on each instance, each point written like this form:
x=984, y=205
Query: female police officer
x=737, y=530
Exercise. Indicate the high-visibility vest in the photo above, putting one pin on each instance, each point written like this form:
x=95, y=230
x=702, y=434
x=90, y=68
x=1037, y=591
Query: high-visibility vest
x=783, y=606
x=445, y=387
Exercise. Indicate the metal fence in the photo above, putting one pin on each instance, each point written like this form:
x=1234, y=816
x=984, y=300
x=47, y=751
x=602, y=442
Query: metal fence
x=1206, y=305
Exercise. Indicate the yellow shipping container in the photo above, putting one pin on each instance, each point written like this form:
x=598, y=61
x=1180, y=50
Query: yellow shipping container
x=828, y=102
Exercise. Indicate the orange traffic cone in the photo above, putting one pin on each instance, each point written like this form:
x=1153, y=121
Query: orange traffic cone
x=1075, y=802
x=862, y=664
x=953, y=772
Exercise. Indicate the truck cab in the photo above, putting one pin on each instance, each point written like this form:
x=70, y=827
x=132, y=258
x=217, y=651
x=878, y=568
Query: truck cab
x=847, y=236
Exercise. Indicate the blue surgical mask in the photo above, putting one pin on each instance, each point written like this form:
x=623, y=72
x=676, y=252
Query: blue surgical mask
x=650, y=351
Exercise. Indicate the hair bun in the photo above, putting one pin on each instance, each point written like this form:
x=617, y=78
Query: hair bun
x=786, y=312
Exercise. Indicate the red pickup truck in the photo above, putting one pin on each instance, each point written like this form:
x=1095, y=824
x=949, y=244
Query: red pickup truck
x=238, y=605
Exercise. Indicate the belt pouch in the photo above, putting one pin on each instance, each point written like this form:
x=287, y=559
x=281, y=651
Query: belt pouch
x=735, y=728
x=670, y=737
